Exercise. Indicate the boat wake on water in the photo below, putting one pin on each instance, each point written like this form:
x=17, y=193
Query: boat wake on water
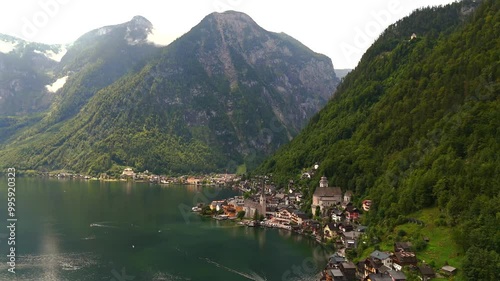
x=102, y=225
x=252, y=276
x=113, y=224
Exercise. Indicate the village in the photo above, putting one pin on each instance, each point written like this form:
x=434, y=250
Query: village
x=335, y=222
x=128, y=174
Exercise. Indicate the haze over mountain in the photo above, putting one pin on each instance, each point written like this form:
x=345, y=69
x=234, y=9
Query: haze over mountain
x=341, y=73
x=227, y=93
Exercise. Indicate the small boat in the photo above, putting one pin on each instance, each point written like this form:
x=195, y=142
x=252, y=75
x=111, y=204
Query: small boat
x=196, y=209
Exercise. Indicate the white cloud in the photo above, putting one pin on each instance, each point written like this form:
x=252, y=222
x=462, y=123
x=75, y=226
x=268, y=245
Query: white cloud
x=6, y=47
x=53, y=55
x=57, y=85
x=56, y=56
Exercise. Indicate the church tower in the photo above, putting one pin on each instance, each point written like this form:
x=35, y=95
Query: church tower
x=323, y=182
x=263, y=200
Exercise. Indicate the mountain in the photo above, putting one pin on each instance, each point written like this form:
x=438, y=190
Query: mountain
x=96, y=60
x=25, y=70
x=42, y=85
x=416, y=125
x=225, y=94
x=27, y=83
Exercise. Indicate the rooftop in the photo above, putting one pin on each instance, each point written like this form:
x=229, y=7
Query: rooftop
x=379, y=255
x=327, y=191
x=397, y=274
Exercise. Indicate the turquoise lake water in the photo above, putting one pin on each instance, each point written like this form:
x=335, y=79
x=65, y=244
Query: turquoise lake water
x=122, y=231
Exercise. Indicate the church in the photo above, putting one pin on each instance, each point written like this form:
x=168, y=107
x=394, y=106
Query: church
x=251, y=207
x=325, y=196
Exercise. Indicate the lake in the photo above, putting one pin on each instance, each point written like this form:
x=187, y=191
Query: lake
x=123, y=231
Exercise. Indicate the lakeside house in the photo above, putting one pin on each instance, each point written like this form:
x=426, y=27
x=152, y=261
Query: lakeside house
x=128, y=173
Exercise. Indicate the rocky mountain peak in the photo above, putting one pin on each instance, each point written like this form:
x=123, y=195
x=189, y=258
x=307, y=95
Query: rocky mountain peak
x=141, y=22
x=138, y=30
x=232, y=23
x=232, y=17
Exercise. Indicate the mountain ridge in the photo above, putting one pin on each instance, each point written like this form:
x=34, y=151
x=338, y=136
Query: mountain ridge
x=209, y=96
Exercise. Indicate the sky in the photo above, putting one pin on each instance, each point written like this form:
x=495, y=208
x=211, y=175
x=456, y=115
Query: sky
x=342, y=30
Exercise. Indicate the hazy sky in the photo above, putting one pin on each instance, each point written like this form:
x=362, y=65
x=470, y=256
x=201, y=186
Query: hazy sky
x=342, y=30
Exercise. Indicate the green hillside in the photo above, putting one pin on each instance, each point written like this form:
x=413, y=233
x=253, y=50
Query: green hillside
x=417, y=125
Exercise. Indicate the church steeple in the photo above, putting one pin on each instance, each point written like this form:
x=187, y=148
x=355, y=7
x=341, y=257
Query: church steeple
x=323, y=182
x=263, y=199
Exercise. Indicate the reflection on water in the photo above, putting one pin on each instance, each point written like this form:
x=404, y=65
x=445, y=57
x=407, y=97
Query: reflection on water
x=50, y=248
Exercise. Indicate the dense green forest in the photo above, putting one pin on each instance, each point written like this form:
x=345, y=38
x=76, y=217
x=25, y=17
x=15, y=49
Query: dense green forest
x=417, y=125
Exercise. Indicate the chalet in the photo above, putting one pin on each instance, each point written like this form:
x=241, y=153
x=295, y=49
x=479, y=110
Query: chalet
x=426, y=272
x=335, y=260
x=315, y=226
x=378, y=262
x=217, y=205
x=237, y=201
x=128, y=172
x=349, y=270
x=360, y=270
x=367, y=205
x=325, y=196
x=298, y=217
x=397, y=275
x=285, y=213
x=230, y=210
x=378, y=277
x=351, y=212
x=337, y=215
x=448, y=270
x=330, y=231
x=401, y=259
x=350, y=239
x=194, y=180
x=345, y=227
x=403, y=247
x=384, y=257
x=298, y=197
x=280, y=196
x=273, y=202
x=334, y=275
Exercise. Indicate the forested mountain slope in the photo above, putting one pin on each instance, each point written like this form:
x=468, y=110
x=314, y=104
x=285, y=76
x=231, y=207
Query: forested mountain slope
x=417, y=124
